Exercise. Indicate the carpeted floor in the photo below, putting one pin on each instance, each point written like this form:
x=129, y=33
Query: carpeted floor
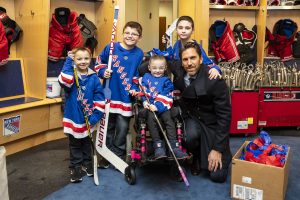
x=42, y=173
x=39, y=171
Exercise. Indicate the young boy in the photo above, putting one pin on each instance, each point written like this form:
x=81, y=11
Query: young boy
x=126, y=59
x=91, y=99
x=184, y=29
x=159, y=88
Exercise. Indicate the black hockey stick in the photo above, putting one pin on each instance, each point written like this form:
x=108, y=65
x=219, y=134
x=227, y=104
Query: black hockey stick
x=166, y=139
x=80, y=94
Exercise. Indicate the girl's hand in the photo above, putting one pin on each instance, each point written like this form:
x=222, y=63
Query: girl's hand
x=107, y=73
x=133, y=92
x=71, y=54
x=214, y=74
x=152, y=108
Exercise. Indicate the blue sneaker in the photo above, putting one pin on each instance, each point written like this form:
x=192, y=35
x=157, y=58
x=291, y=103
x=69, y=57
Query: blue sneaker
x=159, y=150
x=177, y=151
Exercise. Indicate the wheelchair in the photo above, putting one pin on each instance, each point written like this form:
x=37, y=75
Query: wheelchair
x=142, y=151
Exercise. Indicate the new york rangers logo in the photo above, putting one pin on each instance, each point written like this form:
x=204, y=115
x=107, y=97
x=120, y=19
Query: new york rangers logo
x=11, y=125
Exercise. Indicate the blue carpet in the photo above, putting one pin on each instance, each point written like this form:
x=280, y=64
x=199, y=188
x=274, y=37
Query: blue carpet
x=154, y=182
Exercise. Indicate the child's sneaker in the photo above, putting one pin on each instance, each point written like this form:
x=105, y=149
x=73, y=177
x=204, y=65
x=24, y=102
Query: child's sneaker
x=159, y=150
x=76, y=175
x=89, y=170
x=103, y=163
x=177, y=151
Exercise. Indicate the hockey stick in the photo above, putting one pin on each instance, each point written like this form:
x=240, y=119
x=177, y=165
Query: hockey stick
x=80, y=95
x=170, y=30
x=102, y=128
x=166, y=139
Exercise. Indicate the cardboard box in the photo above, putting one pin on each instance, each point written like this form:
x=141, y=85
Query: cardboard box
x=256, y=181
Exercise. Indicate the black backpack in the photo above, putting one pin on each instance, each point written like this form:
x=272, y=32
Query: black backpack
x=245, y=42
x=296, y=46
x=88, y=31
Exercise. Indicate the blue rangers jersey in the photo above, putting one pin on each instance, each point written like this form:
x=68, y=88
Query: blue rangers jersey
x=159, y=91
x=92, y=97
x=124, y=66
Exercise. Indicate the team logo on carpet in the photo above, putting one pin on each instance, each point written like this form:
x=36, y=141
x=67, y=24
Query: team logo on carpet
x=11, y=125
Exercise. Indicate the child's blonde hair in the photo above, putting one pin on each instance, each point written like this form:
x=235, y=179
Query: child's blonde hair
x=82, y=49
x=157, y=57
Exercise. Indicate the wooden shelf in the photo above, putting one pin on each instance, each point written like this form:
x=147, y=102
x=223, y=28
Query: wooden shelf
x=283, y=7
x=216, y=7
x=42, y=102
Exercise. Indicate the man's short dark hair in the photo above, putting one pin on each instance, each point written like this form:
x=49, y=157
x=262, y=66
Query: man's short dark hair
x=189, y=45
x=136, y=25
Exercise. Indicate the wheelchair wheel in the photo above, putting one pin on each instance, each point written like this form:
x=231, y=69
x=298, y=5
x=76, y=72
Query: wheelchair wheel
x=175, y=174
x=130, y=175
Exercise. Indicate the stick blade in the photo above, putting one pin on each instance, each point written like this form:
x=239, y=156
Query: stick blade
x=96, y=178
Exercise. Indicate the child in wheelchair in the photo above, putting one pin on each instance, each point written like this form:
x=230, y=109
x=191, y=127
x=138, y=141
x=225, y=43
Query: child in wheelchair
x=159, y=89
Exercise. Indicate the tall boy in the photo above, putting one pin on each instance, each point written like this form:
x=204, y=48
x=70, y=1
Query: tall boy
x=126, y=59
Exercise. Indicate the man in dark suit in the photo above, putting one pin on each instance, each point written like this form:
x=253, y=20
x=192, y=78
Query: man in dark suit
x=207, y=113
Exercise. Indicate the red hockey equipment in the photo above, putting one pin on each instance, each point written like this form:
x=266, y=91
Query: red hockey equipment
x=3, y=46
x=61, y=36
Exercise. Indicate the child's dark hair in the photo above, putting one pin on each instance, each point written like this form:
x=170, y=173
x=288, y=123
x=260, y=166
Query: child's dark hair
x=185, y=18
x=136, y=25
x=82, y=49
x=157, y=57
x=192, y=45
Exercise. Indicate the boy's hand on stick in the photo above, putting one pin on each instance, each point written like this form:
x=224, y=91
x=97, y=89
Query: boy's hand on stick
x=107, y=73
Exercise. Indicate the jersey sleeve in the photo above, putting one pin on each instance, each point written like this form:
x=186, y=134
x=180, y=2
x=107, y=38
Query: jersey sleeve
x=66, y=76
x=102, y=61
x=98, y=103
x=164, y=100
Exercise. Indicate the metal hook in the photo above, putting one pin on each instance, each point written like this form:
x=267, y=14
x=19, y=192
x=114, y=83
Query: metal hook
x=32, y=13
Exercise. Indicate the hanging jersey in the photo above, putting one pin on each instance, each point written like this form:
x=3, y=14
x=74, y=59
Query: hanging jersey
x=63, y=36
x=12, y=29
x=280, y=43
x=3, y=46
x=223, y=42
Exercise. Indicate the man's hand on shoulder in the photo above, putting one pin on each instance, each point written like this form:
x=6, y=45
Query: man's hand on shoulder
x=214, y=74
